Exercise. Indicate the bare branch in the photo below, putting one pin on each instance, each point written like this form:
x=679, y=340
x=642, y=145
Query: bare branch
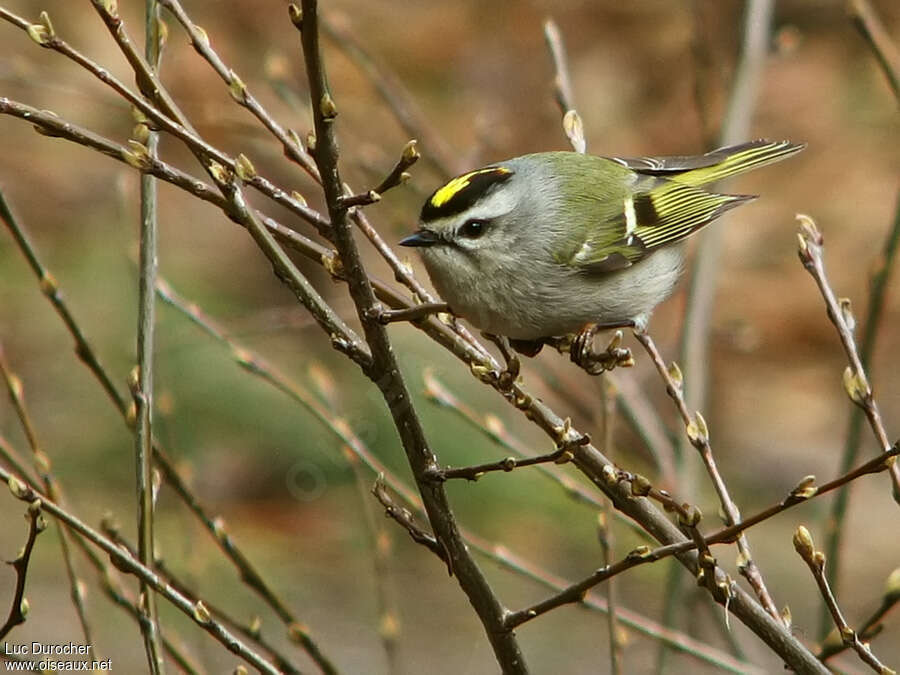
x=393, y=93
x=507, y=464
x=878, y=284
x=129, y=564
x=142, y=377
x=293, y=149
x=562, y=82
x=815, y=560
x=834, y=644
x=36, y=524
x=42, y=465
x=214, y=525
x=698, y=435
x=404, y=519
x=694, y=347
x=856, y=382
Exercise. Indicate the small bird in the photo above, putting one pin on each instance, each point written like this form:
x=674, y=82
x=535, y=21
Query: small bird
x=553, y=243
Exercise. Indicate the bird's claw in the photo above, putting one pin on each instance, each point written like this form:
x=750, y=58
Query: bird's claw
x=583, y=354
x=507, y=378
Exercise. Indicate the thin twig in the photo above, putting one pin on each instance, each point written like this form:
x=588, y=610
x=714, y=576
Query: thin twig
x=398, y=175
x=698, y=435
x=605, y=531
x=14, y=460
x=129, y=564
x=252, y=631
x=641, y=416
x=214, y=525
x=42, y=465
x=878, y=284
x=36, y=524
x=293, y=149
x=562, y=87
x=493, y=428
x=815, y=560
x=562, y=82
x=404, y=518
x=343, y=338
x=694, y=347
x=393, y=93
x=804, y=491
x=142, y=378
x=856, y=381
x=506, y=464
x=113, y=590
x=833, y=643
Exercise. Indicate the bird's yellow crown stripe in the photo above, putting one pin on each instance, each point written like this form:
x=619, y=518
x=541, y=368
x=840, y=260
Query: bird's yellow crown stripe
x=446, y=193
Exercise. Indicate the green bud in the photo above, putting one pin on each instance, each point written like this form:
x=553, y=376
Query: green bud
x=18, y=488
x=244, y=168
x=856, y=386
x=201, y=36
x=327, y=107
x=410, y=152
x=201, y=613
x=892, y=586
x=803, y=543
x=806, y=488
x=237, y=88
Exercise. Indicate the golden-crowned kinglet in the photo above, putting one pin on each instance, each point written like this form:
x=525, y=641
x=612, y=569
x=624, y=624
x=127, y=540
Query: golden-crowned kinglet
x=545, y=244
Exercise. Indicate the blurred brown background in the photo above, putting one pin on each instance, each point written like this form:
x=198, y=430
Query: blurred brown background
x=482, y=77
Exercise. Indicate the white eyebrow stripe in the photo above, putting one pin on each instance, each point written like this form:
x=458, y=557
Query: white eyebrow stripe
x=630, y=216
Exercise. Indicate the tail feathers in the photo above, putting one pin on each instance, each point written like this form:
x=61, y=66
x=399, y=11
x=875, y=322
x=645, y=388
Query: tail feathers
x=738, y=159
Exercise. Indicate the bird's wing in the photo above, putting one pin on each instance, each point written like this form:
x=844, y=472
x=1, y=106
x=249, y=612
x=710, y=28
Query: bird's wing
x=714, y=165
x=661, y=213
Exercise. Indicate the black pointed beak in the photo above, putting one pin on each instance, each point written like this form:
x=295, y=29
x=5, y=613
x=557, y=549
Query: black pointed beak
x=420, y=237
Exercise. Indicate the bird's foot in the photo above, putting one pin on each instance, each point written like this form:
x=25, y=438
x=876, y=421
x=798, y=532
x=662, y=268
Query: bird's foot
x=583, y=354
x=507, y=377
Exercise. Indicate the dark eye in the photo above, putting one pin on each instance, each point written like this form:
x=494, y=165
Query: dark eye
x=473, y=228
